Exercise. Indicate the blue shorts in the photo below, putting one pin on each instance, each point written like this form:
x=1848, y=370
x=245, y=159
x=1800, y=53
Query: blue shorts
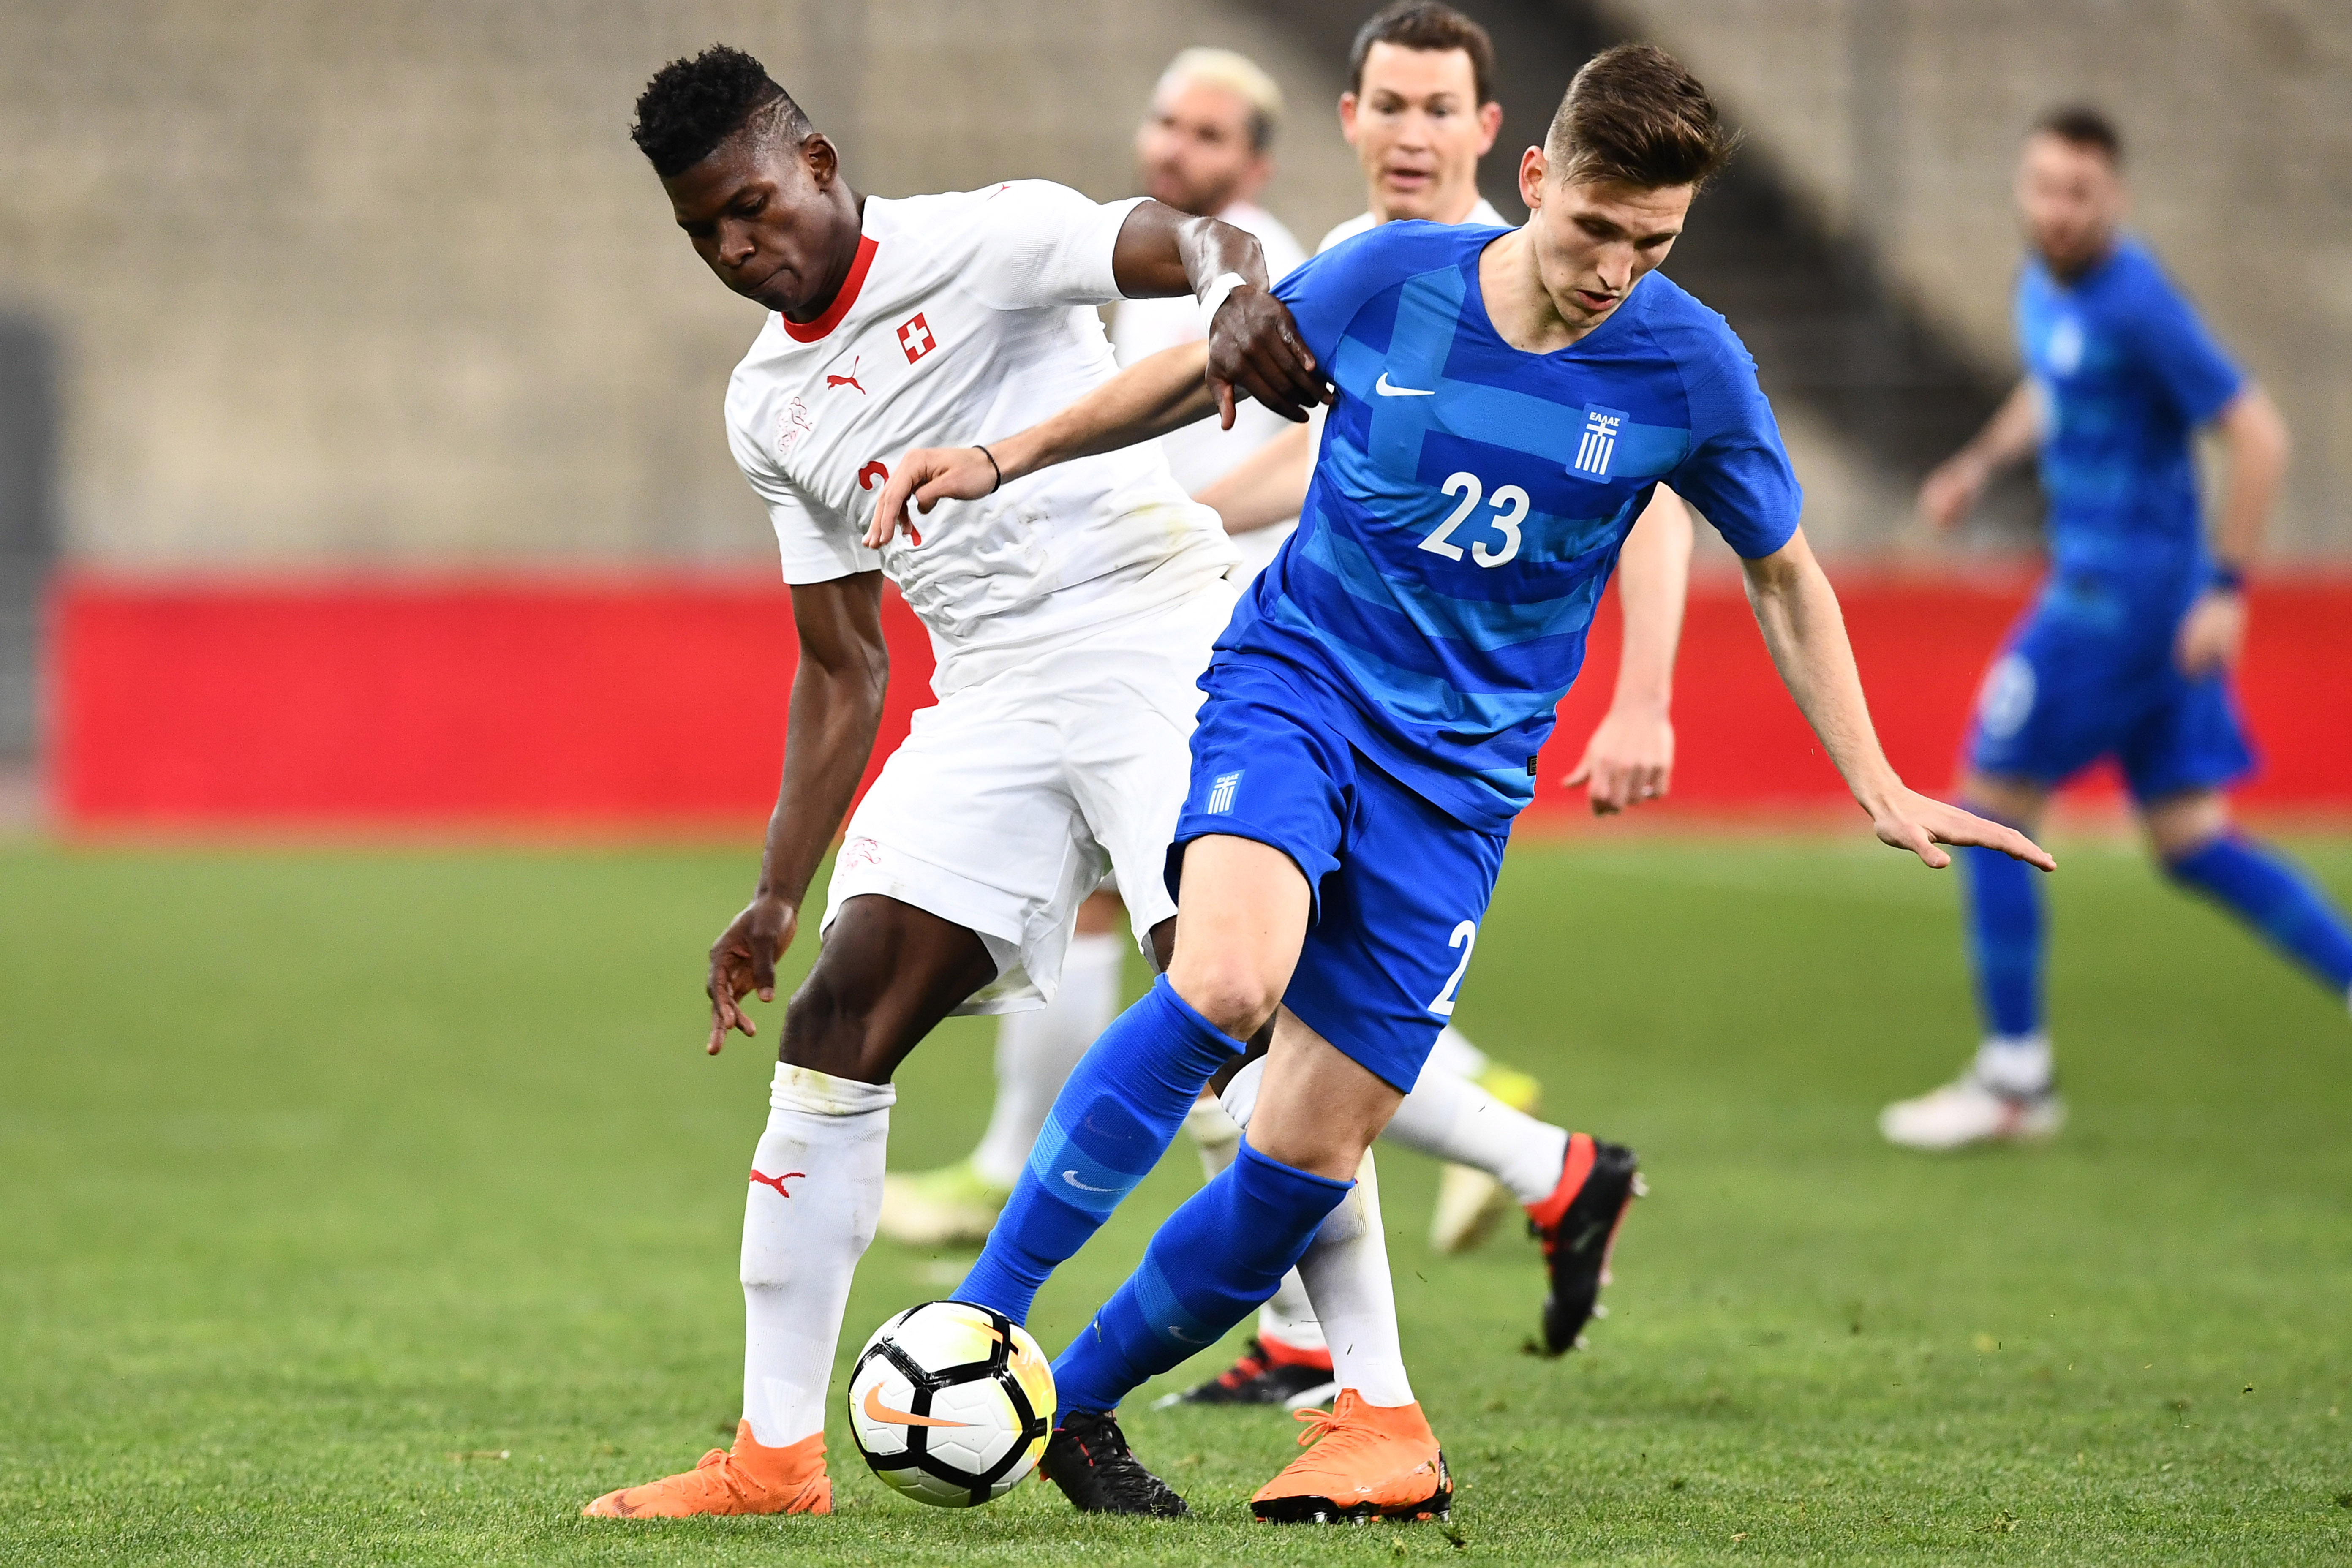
x=2075, y=682
x=1399, y=886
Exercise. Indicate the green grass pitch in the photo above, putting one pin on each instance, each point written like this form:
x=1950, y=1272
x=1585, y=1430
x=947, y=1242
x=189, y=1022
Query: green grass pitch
x=364, y=1208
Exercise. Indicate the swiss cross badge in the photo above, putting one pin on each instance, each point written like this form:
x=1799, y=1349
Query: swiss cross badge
x=914, y=337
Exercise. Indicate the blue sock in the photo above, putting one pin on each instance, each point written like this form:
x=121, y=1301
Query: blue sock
x=1110, y=1125
x=2264, y=891
x=2005, y=941
x=1208, y=1267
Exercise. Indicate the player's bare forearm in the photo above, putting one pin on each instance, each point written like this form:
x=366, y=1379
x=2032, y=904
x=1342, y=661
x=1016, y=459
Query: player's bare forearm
x=1254, y=350
x=1628, y=759
x=2255, y=436
x=1798, y=613
x=1266, y=487
x=1951, y=490
x=2213, y=633
x=1149, y=398
x=829, y=739
x=1160, y=251
x=1652, y=586
x=837, y=709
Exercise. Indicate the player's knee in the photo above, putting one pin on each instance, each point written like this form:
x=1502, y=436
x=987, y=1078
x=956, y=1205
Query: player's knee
x=2183, y=825
x=1230, y=991
x=830, y=1029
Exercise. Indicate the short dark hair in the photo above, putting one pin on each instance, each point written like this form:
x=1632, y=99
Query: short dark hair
x=2081, y=125
x=692, y=106
x=1426, y=24
x=1634, y=116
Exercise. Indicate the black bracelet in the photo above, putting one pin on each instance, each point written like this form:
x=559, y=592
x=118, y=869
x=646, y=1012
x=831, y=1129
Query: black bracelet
x=992, y=463
x=2229, y=579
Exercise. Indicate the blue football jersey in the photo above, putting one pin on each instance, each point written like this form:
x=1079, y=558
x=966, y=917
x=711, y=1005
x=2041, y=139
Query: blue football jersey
x=1469, y=500
x=2125, y=374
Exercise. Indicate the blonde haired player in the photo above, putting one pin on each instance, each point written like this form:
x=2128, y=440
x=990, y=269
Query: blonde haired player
x=1069, y=613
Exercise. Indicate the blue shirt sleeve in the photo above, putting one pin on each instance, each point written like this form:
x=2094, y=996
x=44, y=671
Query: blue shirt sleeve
x=2172, y=344
x=1324, y=292
x=1737, y=472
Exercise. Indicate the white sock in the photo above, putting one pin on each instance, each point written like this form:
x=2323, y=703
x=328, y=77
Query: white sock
x=2015, y=1063
x=1346, y=1270
x=1214, y=1134
x=816, y=1191
x=1455, y=1054
x=1035, y=1051
x=1451, y=1118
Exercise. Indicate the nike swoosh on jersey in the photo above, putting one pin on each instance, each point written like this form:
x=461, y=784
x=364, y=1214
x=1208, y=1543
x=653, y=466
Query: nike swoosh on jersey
x=1387, y=388
x=1072, y=1177
x=877, y=1411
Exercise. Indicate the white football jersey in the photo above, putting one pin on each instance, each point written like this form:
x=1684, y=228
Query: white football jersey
x=965, y=319
x=1201, y=453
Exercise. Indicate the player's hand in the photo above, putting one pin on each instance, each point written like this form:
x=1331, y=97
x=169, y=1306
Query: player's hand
x=1952, y=492
x=1628, y=761
x=928, y=477
x=743, y=960
x=1907, y=819
x=1255, y=351
x=2213, y=633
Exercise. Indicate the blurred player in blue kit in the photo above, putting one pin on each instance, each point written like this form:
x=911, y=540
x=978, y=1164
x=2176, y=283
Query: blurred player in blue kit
x=1506, y=402
x=2127, y=650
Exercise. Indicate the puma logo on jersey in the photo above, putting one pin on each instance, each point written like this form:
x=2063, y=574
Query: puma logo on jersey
x=850, y=380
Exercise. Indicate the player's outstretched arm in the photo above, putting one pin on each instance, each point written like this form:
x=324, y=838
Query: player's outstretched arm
x=1799, y=615
x=1630, y=759
x=1950, y=493
x=1149, y=398
x=1254, y=349
x=837, y=706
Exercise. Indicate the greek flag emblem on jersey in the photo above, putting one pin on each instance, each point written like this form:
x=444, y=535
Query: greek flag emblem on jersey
x=1221, y=793
x=1599, y=444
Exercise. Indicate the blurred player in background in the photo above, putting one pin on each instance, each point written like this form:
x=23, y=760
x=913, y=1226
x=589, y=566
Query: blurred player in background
x=2128, y=652
x=1070, y=615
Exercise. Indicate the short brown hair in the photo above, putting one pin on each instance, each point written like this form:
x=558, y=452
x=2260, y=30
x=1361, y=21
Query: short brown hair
x=1634, y=116
x=2080, y=125
x=1426, y=24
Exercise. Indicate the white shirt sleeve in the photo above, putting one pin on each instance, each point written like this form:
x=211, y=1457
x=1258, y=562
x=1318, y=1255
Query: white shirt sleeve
x=811, y=551
x=1040, y=244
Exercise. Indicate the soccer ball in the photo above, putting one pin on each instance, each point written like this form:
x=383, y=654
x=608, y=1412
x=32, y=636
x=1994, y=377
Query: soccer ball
x=952, y=1403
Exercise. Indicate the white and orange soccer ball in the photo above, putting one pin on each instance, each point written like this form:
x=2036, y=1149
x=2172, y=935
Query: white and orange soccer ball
x=952, y=1403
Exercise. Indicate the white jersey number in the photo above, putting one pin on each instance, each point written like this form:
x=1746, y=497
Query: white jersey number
x=1466, y=937
x=1510, y=504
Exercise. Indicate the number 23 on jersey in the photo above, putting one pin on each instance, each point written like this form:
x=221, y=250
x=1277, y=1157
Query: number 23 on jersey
x=1509, y=509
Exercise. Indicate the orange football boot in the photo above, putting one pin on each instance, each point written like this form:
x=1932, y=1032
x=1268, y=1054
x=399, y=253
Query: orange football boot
x=752, y=1478
x=1369, y=1461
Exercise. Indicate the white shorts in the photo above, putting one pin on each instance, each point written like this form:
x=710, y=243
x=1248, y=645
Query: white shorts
x=1012, y=800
